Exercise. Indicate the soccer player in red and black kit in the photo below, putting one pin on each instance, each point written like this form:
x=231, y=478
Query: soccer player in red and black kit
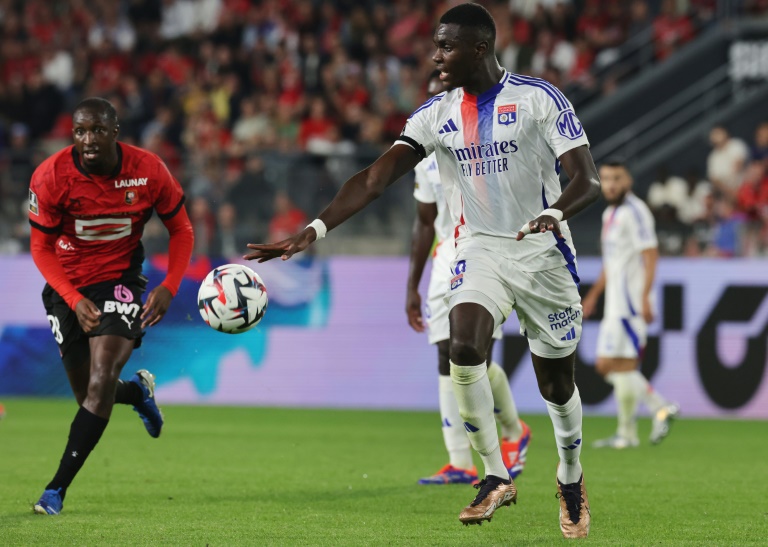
x=88, y=205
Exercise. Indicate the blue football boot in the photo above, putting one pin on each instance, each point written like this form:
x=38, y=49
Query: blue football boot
x=50, y=503
x=451, y=475
x=148, y=411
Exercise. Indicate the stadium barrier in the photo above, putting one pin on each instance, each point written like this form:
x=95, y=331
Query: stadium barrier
x=335, y=335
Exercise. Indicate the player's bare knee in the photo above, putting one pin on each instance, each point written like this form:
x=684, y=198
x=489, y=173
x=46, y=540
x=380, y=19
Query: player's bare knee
x=103, y=383
x=466, y=353
x=602, y=367
x=556, y=390
x=80, y=396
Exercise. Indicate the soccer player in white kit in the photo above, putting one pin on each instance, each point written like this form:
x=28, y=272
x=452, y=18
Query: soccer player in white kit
x=630, y=253
x=433, y=219
x=500, y=140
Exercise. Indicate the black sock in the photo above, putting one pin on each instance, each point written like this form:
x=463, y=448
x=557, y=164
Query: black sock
x=128, y=393
x=85, y=432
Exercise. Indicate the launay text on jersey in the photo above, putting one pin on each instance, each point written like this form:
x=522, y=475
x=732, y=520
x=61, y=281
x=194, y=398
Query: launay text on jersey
x=127, y=183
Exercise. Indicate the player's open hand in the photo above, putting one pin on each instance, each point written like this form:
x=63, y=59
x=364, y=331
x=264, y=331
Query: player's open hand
x=540, y=225
x=158, y=302
x=588, y=305
x=413, y=310
x=285, y=249
x=647, y=310
x=88, y=315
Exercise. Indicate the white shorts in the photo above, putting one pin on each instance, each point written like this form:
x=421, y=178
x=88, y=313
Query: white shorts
x=436, y=310
x=547, y=302
x=622, y=338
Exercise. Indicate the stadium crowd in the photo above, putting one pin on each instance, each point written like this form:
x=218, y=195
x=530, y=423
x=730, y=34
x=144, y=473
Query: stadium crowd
x=261, y=108
x=724, y=214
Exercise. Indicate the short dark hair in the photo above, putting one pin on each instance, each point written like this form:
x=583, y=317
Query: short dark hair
x=99, y=105
x=472, y=16
x=614, y=162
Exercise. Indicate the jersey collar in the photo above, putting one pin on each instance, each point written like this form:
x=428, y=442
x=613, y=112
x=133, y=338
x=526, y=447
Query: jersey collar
x=113, y=174
x=490, y=95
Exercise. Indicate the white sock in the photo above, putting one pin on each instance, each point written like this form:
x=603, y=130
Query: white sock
x=627, y=396
x=566, y=420
x=454, y=434
x=503, y=404
x=475, y=400
x=645, y=392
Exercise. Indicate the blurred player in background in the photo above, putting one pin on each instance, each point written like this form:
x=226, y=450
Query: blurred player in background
x=432, y=218
x=629, y=267
x=500, y=140
x=88, y=205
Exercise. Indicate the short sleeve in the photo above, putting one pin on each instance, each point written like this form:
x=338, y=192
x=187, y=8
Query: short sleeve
x=170, y=196
x=418, y=132
x=422, y=188
x=642, y=226
x=45, y=211
x=560, y=125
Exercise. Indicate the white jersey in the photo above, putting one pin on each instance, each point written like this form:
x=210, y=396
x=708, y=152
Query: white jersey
x=498, y=157
x=429, y=189
x=628, y=230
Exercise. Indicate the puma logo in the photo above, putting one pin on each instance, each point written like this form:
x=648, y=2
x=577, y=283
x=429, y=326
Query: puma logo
x=129, y=323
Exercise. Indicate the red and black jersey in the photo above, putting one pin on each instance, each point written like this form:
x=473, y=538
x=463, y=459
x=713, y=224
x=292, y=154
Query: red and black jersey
x=100, y=219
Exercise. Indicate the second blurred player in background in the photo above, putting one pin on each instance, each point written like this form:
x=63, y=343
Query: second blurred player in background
x=433, y=218
x=629, y=267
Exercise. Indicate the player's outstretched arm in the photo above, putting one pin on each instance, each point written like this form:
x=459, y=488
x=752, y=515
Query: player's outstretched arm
x=421, y=242
x=360, y=190
x=581, y=191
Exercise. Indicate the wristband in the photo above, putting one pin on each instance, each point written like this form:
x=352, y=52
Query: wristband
x=320, y=228
x=554, y=213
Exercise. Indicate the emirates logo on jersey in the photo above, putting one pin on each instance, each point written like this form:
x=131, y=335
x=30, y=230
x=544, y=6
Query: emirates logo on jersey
x=131, y=196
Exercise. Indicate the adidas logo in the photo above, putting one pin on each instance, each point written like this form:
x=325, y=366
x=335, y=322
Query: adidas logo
x=470, y=428
x=449, y=127
x=570, y=335
x=573, y=446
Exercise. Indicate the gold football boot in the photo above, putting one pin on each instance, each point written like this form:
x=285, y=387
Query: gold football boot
x=574, y=509
x=494, y=493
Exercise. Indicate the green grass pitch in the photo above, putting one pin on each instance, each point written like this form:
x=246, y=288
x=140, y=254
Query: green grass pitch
x=237, y=476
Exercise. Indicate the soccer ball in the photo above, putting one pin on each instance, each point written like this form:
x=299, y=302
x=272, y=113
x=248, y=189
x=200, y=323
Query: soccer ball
x=232, y=299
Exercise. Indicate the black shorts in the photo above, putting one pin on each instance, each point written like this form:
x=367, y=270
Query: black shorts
x=120, y=303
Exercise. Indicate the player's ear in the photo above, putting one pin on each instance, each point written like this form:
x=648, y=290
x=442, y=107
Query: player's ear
x=480, y=49
x=116, y=130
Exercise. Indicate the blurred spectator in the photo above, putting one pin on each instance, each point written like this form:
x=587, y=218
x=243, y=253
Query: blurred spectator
x=717, y=233
x=317, y=124
x=251, y=194
x=671, y=29
x=727, y=229
x=670, y=231
x=640, y=20
x=686, y=196
x=760, y=149
x=287, y=220
x=726, y=161
x=204, y=225
x=752, y=201
x=228, y=237
x=752, y=197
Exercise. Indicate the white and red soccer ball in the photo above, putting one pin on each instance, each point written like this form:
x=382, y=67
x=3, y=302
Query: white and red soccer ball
x=232, y=299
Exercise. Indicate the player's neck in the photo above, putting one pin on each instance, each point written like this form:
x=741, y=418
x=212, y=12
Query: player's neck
x=488, y=76
x=107, y=169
